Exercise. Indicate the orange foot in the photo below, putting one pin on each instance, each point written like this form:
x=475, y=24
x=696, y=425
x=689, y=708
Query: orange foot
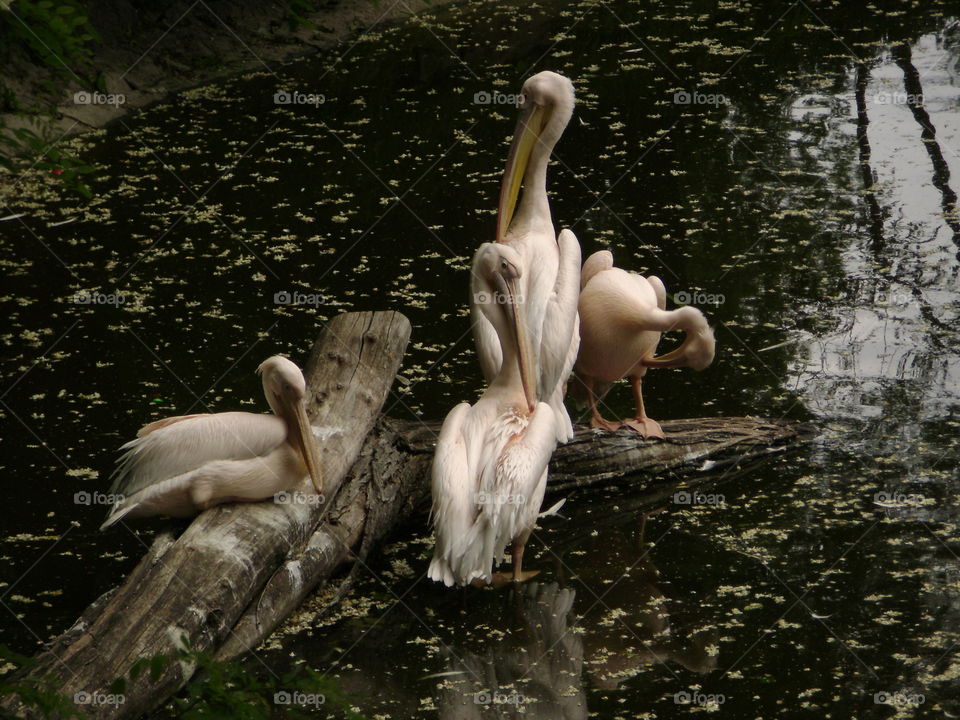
x=503, y=579
x=598, y=423
x=647, y=427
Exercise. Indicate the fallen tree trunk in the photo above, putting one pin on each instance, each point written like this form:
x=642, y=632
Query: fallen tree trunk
x=238, y=571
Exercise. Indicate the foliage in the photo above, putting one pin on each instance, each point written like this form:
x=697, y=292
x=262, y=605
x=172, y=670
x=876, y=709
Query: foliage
x=23, y=149
x=58, y=34
x=40, y=695
x=229, y=690
x=218, y=689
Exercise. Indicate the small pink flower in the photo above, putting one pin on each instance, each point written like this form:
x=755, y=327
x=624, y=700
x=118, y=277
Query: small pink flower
x=57, y=171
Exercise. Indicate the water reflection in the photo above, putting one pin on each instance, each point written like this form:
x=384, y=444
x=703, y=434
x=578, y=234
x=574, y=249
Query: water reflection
x=530, y=666
x=604, y=627
x=903, y=297
x=627, y=626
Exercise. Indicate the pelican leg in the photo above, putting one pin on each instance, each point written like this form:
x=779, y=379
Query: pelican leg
x=647, y=427
x=517, y=574
x=596, y=420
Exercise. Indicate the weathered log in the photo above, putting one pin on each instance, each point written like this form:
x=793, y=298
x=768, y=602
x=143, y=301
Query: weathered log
x=238, y=571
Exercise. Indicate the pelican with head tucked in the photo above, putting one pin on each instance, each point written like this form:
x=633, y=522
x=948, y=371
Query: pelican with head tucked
x=546, y=260
x=490, y=466
x=182, y=465
x=621, y=317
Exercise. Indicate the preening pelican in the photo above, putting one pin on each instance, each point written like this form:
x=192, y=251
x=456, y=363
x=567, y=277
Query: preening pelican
x=621, y=317
x=550, y=264
x=182, y=465
x=490, y=465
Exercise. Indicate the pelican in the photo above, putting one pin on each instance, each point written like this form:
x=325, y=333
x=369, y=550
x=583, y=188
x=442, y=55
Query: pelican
x=550, y=264
x=490, y=466
x=621, y=317
x=180, y=466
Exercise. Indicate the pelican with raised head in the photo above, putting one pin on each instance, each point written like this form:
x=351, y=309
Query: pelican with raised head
x=490, y=466
x=180, y=466
x=621, y=317
x=550, y=263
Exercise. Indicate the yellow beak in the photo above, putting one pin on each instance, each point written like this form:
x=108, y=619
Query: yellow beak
x=519, y=328
x=306, y=444
x=525, y=137
x=674, y=358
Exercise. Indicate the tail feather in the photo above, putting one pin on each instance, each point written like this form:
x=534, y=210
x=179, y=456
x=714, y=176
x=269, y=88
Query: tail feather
x=117, y=513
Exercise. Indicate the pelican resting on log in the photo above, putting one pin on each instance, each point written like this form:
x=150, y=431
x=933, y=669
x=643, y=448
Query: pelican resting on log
x=547, y=106
x=490, y=465
x=180, y=466
x=621, y=317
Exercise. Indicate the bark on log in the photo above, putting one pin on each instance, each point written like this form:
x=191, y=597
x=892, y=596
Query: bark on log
x=238, y=571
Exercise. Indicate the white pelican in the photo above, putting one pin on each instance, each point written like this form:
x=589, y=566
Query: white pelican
x=621, y=317
x=490, y=466
x=182, y=465
x=550, y=264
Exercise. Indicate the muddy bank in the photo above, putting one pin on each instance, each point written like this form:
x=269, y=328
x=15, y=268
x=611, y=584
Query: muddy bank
x=146, y=51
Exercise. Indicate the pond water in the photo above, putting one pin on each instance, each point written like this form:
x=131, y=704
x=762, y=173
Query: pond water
x=786, y=166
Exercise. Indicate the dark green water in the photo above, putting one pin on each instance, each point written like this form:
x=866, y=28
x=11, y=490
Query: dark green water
x=803, y=593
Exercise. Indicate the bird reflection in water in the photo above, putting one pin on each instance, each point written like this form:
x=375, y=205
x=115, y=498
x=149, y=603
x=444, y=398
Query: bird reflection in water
x=630, y=630
x=537, y=654
x=533, y=669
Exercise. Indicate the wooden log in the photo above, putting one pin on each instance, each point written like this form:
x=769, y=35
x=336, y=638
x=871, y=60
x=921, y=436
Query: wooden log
x=238, y=571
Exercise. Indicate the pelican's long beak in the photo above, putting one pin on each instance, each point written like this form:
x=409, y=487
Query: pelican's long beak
x=675, y=358
x=518, y=326
x=306, y=444
x=525, y=138
x=696, y=352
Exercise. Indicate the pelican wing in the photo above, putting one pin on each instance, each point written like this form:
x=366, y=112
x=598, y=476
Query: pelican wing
x=511, y=487
x=213, y=483
x=521, y=475
x=453, y=494
x=660, y=289
x=174, y=446
x=561, y=336
x=598, y=262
